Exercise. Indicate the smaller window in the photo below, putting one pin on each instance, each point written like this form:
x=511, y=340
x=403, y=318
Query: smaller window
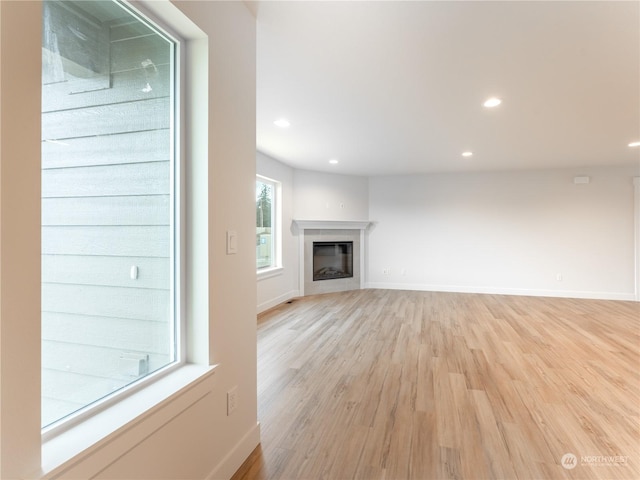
x=267, y=234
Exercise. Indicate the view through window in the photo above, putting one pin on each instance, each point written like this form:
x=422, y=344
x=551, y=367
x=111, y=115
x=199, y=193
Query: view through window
x=265, y=223
x=108, y=289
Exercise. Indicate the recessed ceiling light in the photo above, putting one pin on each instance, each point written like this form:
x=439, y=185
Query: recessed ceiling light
x=492, y=102
x=467, y=154
x=634, y=144
x=282, y=123
x=333, y=161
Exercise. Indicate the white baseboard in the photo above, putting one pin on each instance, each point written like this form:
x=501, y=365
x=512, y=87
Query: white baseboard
x=238, y=454
x=278, y=300
x=504, y=291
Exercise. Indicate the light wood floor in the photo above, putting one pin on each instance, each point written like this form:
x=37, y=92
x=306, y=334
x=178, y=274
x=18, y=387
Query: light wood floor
x=378, y=384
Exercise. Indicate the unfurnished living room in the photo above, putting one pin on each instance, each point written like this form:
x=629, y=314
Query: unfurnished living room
x=456, y=206
x=438, y=276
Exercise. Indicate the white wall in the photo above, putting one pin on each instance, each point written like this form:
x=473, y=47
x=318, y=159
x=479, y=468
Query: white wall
x=505, y=233
x=190, y=434
x=636, y=186
x=326, y=196
x=20, y=73
x=282, y=285
x=510, y=233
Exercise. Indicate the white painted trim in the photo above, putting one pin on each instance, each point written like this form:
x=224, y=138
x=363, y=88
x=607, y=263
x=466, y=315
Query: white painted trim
x=636, y=235
x=276, y=246
x=301, y=261
x=110, y=434
x=331, y=225
x=237, y=455
x=362, y=258
x=503, y=291
x=268, y=273
x=278, y=300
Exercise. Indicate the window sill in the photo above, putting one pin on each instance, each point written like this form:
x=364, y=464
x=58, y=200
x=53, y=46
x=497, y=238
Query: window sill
x=101, y=429
x=265, y=273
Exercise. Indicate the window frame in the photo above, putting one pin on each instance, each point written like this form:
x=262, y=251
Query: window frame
x=177, y=240
x=276, y=230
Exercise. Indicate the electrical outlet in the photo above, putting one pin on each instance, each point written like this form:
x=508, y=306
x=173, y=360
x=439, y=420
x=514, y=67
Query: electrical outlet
x=232, y=400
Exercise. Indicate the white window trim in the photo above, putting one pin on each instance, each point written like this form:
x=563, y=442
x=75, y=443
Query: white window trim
x=99, y=430
x=276, y=268
x=177, y=278
x=122, y=416
x=265, y=273
x=21, y=402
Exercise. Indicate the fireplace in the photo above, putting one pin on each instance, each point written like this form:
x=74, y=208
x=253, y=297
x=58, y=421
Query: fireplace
x=332, y=260
x=327, y=232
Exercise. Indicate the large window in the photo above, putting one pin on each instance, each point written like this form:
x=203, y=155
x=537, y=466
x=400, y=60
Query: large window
x=108, y=203
x=267, y=191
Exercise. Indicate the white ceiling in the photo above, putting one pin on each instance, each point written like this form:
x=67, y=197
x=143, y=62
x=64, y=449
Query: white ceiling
x=397, y=87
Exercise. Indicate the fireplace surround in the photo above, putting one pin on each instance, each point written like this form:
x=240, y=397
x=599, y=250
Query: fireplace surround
x=334, y=232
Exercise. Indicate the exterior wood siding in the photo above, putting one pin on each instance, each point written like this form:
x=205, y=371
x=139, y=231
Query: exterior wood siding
x=106, y=185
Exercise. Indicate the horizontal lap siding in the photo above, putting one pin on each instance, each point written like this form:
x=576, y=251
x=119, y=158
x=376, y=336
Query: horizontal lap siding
x=150, y=210
x=86, y=388
x=122, y=302
x=91, y=361
x=138, y=116
x=57, y=382
x=94, y=370
x=125, y=87
x=114, y=241
x=107, y=271
x=124, y=148
x=140, y=336
x=128, y=54
x=106, y=186
x=136, y=179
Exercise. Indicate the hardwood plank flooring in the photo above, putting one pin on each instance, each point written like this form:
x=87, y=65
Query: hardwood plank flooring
x=385, y=384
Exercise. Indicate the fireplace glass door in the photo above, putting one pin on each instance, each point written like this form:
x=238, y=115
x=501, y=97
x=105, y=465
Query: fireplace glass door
x=332, y=260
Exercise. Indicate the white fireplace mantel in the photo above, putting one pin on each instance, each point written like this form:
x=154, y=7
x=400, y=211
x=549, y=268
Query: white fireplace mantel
x=303, y=225
x=331, y=225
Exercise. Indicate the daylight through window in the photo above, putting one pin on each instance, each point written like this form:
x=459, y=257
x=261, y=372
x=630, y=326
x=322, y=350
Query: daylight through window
x=265, y=223
x=108, y=203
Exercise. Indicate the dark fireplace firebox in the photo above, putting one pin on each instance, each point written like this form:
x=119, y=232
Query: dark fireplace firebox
x=332, y=260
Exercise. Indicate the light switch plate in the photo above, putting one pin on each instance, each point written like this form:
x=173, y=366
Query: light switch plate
x=232, y=242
